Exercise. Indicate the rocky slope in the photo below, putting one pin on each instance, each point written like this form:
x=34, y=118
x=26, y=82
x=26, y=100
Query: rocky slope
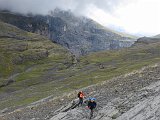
x=79, y=34
x=133, y=96
x=124, y=101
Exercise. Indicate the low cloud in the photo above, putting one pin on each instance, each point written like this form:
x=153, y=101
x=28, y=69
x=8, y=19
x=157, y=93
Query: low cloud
x=132, y=16
x=44, y=6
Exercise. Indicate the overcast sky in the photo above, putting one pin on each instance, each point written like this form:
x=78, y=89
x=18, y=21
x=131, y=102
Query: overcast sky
x=140, y=17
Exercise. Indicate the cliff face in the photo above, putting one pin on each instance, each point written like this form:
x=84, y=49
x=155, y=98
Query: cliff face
x=79, y=34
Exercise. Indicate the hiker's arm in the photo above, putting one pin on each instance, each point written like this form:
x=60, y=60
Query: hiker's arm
x=95, y=105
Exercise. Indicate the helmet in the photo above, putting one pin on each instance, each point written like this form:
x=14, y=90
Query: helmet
x=93, y=99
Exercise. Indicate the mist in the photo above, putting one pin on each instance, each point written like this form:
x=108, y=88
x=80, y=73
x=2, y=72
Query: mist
x=131, y=16
x=44, y=6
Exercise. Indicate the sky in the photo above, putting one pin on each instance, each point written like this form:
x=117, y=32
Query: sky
x=137, y=17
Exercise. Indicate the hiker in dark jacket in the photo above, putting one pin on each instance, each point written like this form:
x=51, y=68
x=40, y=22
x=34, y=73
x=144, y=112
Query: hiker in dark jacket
x=81, y=97
x=92, y=105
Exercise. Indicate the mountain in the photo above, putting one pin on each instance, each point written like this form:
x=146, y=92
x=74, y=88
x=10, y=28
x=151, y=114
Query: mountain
x=146, y=40
x=157, y=36
x=125, y=83
x=40, y=79
x=79, y=34
x=33, y=68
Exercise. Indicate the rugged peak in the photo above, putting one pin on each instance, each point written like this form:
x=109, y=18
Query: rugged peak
x=79, y=34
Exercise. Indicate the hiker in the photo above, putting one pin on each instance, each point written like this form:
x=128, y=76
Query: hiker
x=81, y=97
x=92, y=105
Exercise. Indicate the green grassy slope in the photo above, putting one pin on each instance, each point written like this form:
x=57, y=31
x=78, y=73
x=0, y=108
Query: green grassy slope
x=25, y=58
x=55, y=73
x=20, y=49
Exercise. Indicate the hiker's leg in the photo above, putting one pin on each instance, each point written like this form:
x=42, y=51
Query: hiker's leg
x=81, y=101
x=91, y=113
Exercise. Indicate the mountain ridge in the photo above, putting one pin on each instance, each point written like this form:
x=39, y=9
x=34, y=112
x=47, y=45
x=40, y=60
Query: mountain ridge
x=79, y=34
x=36, y=73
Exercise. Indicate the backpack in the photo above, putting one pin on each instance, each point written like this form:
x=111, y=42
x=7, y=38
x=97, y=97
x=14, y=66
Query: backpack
x=79, y=94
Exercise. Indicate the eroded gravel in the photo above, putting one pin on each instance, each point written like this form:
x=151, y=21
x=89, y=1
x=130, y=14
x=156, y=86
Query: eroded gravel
x=126, y=97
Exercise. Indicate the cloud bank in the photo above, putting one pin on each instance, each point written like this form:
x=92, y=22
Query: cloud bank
x=132, y=16
x=43, y=6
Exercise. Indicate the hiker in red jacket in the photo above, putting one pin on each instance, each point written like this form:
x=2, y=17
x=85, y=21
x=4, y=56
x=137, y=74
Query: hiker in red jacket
x=81, y=97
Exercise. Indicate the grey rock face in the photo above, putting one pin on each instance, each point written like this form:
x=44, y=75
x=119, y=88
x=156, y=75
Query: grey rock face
x=79, y=34
x=82, y=35
x=146, y=109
